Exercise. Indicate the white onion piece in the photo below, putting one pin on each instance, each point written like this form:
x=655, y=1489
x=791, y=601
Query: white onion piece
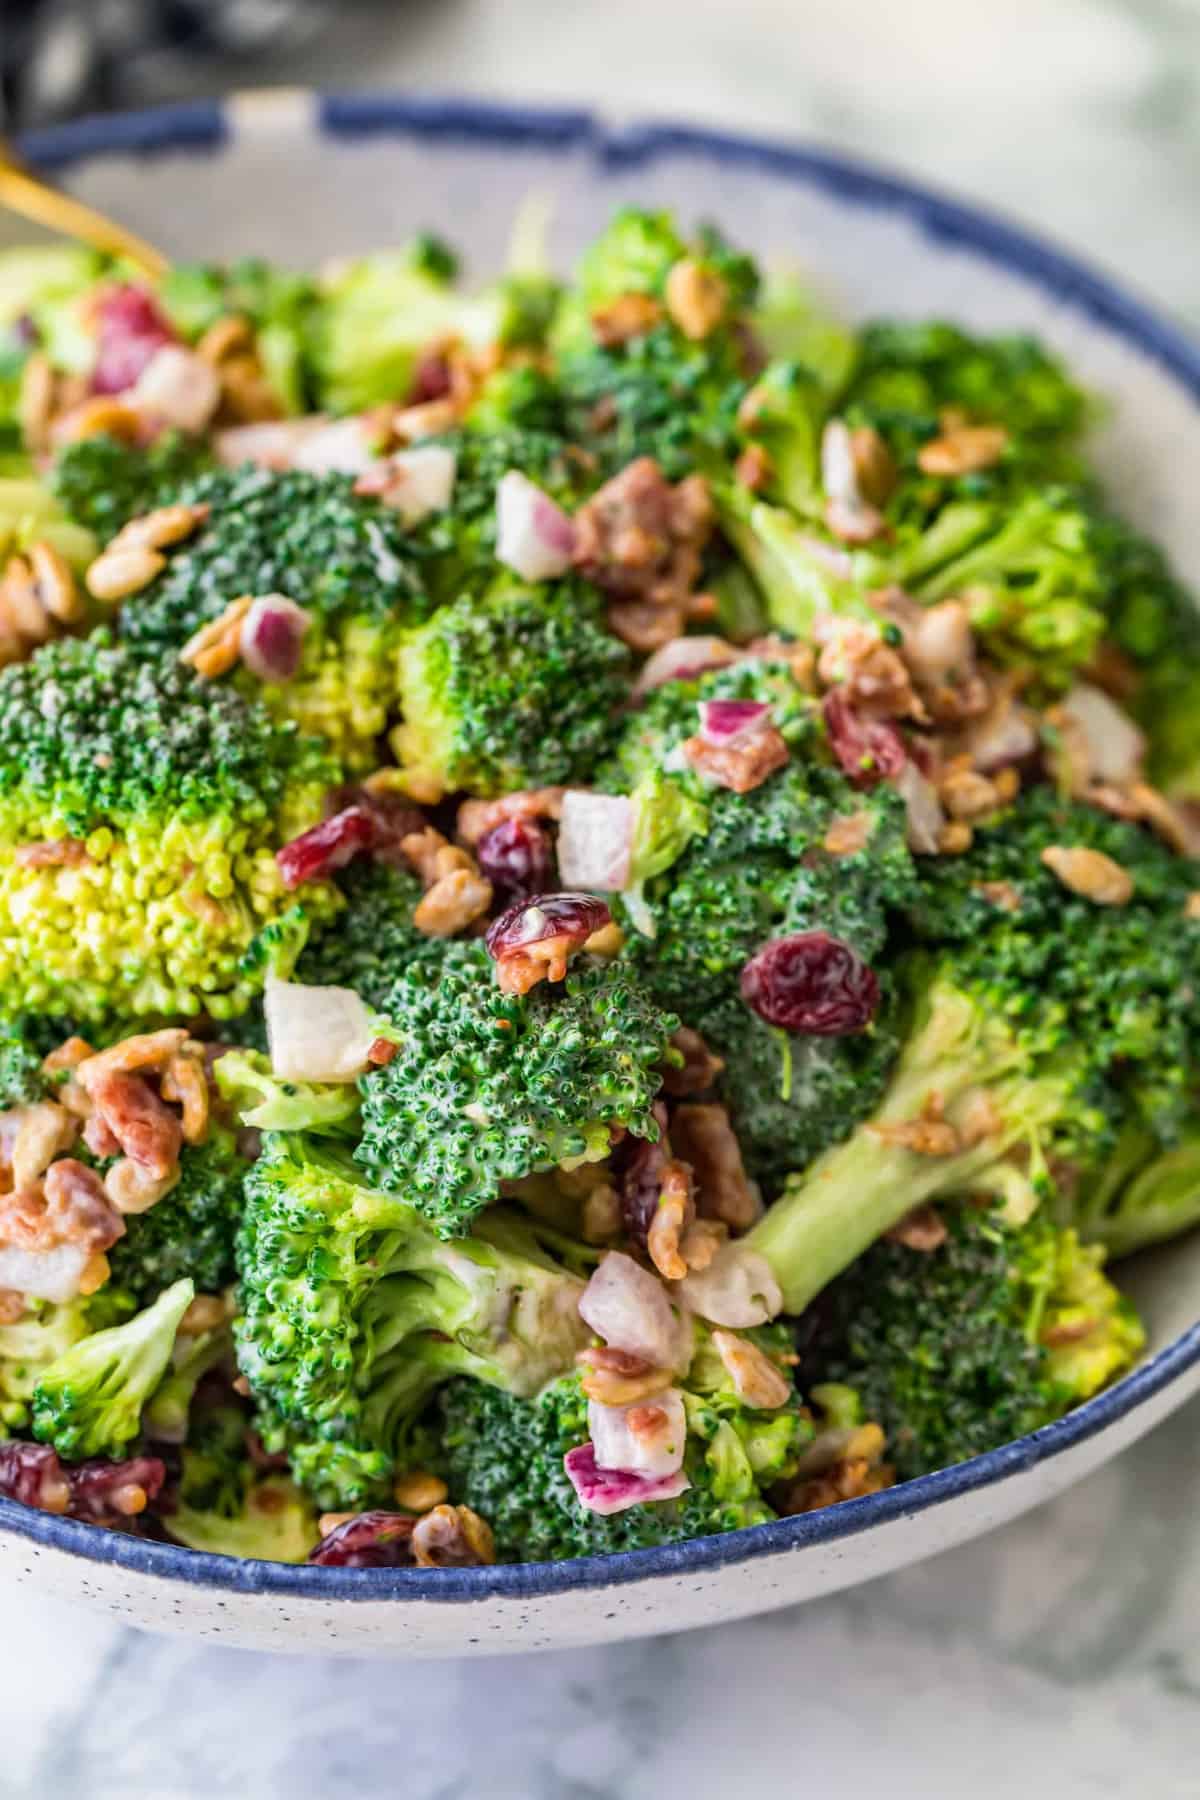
x=44, y=1274
x=270, y=445
x=925, y=815
x=607, y=1491
x=940, y=643
x=1115, y=746
x=646, y=1437
x=424, y=481
x=838, y=475
x=272, y=637
x=629, y=1308
x=534, y=537
x=342, y=447
x=316, y=1033
x=682, y=659
x=178, y=387
x=728, y=721
x=738, y=1289
x=595, y=842
x=1001, y=738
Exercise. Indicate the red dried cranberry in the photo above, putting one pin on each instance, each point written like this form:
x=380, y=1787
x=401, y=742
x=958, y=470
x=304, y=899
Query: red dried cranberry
x=371, y=1540
x=869, y=750
x=129, y=329
x=32, y=1474
x=327, y=846
x=574, y=916
x=98, y=1487
x=638, y=1166
x=431, y=379
x=811, y=983
x=515, y=856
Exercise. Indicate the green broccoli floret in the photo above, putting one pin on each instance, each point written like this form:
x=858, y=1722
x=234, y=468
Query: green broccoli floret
x=89, y=1401
x=503, y=1456
x=373, y=939
x=162, y=799
x=31, y=514
x=264, y=1102
x=489, y=1087
x=354, y=1311
x=1038, y=1038
x=21, y=1052
x=659, y=393
x=278, y=303
x=43, y=1333
x=191, y=1231
x=224, y=1506
x=103, y=482
x=957, y=1350
x=517, y=691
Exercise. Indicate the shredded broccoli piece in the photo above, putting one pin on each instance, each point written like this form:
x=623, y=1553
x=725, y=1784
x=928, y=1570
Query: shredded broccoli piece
x=191, y=1231
x=103, y=482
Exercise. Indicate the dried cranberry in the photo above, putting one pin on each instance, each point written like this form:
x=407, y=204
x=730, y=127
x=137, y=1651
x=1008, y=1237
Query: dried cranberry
x=431, y=379
x=111, y=1493
x=327, y=846
x=371, y=1540
x=516, y=858
x=638, y=1166
x=32, y=1474
x=129, y=329
x=24, y=332
x=811, y=983
x=533, y=921
x=869, y=750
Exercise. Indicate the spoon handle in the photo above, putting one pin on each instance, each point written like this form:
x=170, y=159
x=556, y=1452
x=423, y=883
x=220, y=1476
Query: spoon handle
x=25, y=193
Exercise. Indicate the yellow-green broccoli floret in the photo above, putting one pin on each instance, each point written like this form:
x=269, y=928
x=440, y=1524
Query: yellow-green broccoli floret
x=140, y=812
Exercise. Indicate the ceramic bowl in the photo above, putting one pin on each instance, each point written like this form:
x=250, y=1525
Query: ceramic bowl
x=298, y=177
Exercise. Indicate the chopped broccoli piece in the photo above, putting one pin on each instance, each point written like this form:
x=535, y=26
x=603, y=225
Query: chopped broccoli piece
x=373, y=939
x=192, y=1230
x=488, y=1087
x=266, y=1103
x=43, y=1333
x=103, y=482
x=955, y=1351
x=89, y=1401
x=224, y=1507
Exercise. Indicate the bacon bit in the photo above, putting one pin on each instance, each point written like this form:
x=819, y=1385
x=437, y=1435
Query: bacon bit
x=704, y=1137
x=868, y=750
x=641, y=541
x=921, y=1229
x=77, y=1209
x=51, y=853
x=381, y=1052
x=476, y=817
x=148, y=1132
x=700, y=1069
x=628, y=316
x=742, y=764
x=185, y=1081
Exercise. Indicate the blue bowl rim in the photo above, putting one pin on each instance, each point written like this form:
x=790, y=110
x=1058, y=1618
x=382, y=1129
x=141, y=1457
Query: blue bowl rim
x=204, y=126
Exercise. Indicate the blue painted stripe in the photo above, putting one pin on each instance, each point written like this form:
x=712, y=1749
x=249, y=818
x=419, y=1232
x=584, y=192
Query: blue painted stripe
x=1069, y=282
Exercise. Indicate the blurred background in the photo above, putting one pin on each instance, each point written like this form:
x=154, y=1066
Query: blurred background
x=1082, y=115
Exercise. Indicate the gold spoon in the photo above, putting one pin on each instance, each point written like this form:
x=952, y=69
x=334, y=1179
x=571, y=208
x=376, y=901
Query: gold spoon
x=23, y=192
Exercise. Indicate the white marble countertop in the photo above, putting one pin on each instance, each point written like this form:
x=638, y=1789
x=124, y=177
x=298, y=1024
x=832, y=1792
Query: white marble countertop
x=1059, y=1656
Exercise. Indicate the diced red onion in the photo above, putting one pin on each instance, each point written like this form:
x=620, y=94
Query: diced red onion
x=534, y=537
x=44, y=1274
x=273, y=637
x=646, y=1437
x=925, y=815
x=608, y=1491
x=342, y=447
x=725, y=721
x=178, y=387
x=316, y=1033
x=130, y=328
x=595, y=841
x=330, y=845
x=738, y=1289
x=682, y=660
x=1115, y=746
x=869, y=750
x=629, y=1308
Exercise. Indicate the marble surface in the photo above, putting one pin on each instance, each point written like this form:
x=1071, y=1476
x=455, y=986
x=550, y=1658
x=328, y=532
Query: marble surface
x=1059, y=1656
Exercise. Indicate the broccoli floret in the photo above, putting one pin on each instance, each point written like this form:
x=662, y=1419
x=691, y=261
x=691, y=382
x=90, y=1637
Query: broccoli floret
x=354, y=1311
x=278, y=303
x=224, y=1507
x=373, y=939
x=21, y=1052
x=1037, y=1039
x=191, y=1231
x=659, y=393
x=998, y=1331
x=161, y=799
x=517, y=691
x=264, y=1102
x=503, y=1456
x=30, y=514
x=489, y=1087
x=89, y=1401
x=43, y=1333
x=103, y=482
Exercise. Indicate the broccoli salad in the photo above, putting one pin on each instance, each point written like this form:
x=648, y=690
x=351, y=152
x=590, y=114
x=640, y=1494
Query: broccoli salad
x=598, y=914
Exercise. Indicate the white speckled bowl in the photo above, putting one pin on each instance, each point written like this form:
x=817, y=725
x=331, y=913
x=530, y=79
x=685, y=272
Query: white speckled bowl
x=296, y=177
